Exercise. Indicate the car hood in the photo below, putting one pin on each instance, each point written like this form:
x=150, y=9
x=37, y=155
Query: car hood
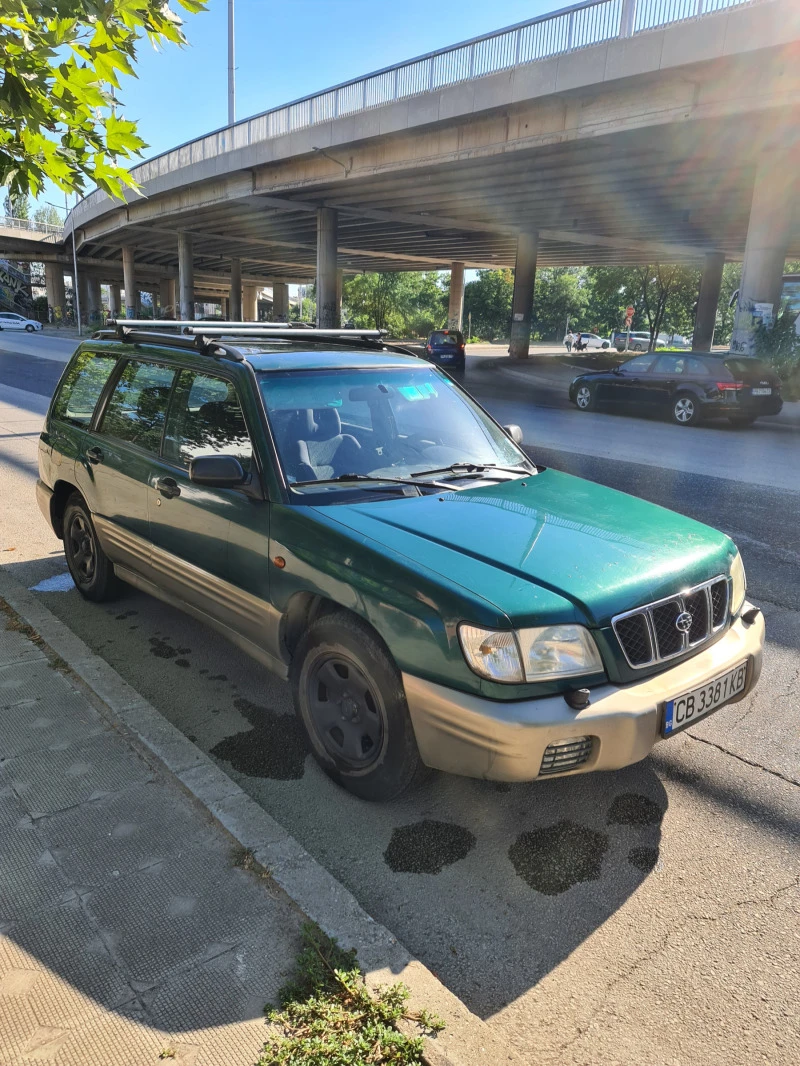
x=549, y=546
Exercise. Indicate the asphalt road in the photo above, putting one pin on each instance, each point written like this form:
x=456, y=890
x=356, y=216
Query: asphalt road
x=643, y=916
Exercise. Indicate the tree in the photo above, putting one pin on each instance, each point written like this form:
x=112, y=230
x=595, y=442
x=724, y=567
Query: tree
x=412, y=302
x=488, y=300
x=17, y=205
x=48, y=215
x=61, y=65
x=664, y=297
x=560, y=293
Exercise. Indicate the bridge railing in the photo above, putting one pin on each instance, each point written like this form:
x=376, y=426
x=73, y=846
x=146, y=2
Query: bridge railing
x=27, y=226
x=580, y=26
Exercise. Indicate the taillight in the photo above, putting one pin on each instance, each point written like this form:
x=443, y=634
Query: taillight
x=429, y=349
x=734, y=385
x=461, y=347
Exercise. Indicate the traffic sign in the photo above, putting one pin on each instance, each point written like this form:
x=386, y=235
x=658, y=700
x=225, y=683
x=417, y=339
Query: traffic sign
x=630, y=311
x=628, y=322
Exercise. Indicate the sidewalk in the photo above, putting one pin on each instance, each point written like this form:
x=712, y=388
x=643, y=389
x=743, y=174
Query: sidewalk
x=126, y=928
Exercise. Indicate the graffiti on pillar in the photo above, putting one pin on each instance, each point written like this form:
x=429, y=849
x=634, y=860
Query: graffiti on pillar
x=15, y=292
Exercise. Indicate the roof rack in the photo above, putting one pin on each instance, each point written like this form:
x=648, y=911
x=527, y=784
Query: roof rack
x=180, y=323
x=234, y=329
x=201, y=345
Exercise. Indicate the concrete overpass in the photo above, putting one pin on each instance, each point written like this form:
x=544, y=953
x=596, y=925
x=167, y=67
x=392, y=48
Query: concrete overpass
x=614, y=131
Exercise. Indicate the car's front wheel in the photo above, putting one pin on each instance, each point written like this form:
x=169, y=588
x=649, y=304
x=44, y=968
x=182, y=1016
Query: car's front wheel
x=30, y=329
x=685, y=410
x=585, y=398
x=90, y=567
x=349, y=696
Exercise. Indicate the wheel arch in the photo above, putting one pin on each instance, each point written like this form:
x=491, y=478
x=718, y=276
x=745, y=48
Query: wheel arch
x=306, y=607
x=62, y=490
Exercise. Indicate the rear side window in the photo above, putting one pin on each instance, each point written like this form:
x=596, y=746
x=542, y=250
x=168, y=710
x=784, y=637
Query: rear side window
x=640, y=364
x=206, y=419
x=137, y=409
x=81, y=388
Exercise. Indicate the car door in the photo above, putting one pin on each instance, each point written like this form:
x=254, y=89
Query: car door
x=10, y=321
x=117, y=457
x=210, y=545
x=629, y=383
x=665, y=378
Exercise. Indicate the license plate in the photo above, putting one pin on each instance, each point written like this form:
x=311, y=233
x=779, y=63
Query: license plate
x=686, y=709
x=762, y=392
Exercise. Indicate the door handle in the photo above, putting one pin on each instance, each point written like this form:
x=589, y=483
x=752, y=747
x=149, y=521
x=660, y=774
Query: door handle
x=94, y=455
x=168, y=487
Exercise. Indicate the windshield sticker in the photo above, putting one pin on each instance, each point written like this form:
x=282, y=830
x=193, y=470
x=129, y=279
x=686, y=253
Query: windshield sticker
x=417, y=392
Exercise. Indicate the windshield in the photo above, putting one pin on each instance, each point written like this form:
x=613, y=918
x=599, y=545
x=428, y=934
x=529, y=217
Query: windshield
x=381, y=422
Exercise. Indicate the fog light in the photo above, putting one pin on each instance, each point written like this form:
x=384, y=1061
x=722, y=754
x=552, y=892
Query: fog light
x=566, y=754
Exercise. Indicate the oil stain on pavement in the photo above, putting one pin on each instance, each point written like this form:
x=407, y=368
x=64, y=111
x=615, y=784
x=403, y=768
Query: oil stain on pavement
x=556, y=857
x=275, y=747
x=632, y=809
x=427, y=847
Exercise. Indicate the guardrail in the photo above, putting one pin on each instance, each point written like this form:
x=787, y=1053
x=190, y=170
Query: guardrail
x=29, y=226
x=572, y=28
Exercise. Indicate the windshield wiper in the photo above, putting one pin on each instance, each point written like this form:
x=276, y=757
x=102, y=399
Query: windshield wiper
x=468, y=469
x=367, y=477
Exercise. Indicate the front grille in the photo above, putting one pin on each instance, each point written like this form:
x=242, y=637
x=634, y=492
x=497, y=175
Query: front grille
x=565, y=755
x=661, y=630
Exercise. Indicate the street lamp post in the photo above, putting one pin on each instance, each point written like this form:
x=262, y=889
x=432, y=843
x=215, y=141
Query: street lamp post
x=231, y=68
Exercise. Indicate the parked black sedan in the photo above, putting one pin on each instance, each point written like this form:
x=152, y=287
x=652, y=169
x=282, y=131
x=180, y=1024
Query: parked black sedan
x=688, y=386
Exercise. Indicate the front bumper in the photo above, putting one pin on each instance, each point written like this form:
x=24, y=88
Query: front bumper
x=466, y=734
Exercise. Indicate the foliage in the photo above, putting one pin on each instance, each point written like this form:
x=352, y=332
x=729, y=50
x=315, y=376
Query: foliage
x=488, y=300
x=404, y=303
x=731, y=280
x=328, y=1017
x=779, y=346
x=49, y=215
x=560, y=293
x=17, y=205
x=664, y=297
x=62, y=60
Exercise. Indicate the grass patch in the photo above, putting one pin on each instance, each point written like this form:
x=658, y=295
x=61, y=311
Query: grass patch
x=328, y=1016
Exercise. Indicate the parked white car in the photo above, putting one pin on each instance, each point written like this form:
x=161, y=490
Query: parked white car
x=674, y=340
x=591, y=340
x=9, y=320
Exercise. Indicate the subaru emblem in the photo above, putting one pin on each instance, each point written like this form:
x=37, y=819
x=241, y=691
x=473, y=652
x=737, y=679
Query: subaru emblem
x=683, y=622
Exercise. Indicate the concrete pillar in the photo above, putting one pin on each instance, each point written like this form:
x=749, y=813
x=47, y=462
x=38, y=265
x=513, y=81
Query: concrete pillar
x=706, y=316
x=280, y=302
x=235, y=301
x=185, y=276
x=114, y=300
x=54, y=283
x=83, y=295
x=223, y=306
x=327, y=309
x=129, y=281
x=522, y=300
x=455, y=310
x=94, y=301
x=772, y=215
x=250, y=302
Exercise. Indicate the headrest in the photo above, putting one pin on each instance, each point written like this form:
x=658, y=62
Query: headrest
x=328, y=422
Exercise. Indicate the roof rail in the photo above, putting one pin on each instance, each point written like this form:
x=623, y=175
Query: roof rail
x=201, y=345
x=228, y=329
x=180, y=323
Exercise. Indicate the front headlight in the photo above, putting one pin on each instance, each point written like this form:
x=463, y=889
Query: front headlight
x=738, y=584
x=558, y=651
x=542, y=654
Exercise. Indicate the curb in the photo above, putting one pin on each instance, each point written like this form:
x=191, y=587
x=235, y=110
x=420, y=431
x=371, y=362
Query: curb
x=467, y=1039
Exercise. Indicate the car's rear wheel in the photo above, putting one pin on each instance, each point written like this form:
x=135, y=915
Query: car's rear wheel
x=742, y=421
x=349, y=696
x=585, y=398
x=685, y=409
x=29, y=328
x=90, y=567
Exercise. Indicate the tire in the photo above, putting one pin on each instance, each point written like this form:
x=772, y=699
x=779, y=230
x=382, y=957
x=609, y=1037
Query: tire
x=585, y=398
x=90, y=567
x=742, y=421
x=348, y=695
x=30, y=329
x=685, y=409
x=605, y=345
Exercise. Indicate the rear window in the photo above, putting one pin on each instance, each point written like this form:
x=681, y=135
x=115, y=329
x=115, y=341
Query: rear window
x=747, y=366
x=446, y=339
x=81, y=387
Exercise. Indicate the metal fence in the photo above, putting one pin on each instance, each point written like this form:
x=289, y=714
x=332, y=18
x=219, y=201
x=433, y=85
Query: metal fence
x=27, y=225
x=589, y=23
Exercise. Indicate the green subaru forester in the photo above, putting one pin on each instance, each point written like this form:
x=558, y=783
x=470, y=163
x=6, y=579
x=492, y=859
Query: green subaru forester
x=352, y=518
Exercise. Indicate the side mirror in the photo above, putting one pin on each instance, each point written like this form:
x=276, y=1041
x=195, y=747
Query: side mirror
x=216, y=471
x=617, y=370
x=514, y=432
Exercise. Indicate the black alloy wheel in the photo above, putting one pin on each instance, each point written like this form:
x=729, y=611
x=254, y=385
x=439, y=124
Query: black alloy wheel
x=90, y=567
x=349, y=696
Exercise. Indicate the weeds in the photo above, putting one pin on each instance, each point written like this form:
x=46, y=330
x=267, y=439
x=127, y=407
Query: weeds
x=328, y=1017
x=244, y=859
